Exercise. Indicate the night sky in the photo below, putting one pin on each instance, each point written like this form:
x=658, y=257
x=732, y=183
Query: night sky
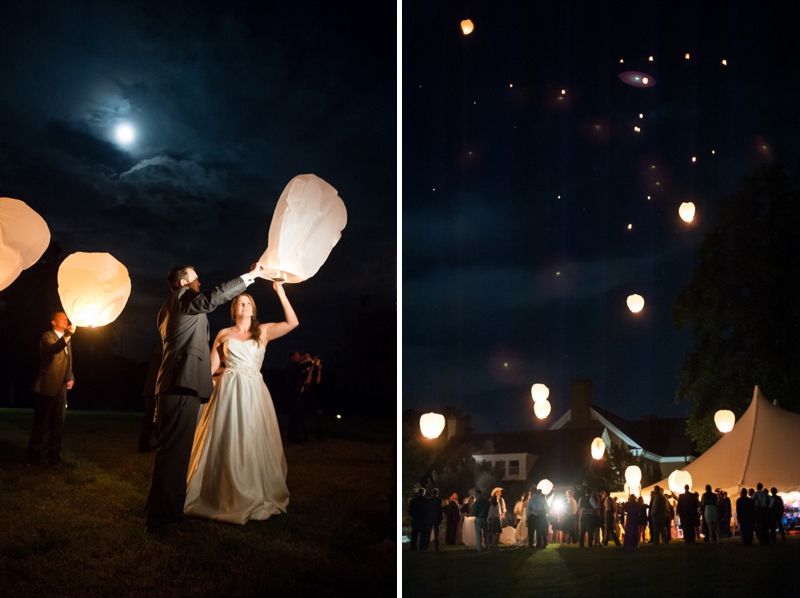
x=522, y=172
x=229, y=101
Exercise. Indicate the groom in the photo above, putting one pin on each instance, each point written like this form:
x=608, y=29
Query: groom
x=184, y=381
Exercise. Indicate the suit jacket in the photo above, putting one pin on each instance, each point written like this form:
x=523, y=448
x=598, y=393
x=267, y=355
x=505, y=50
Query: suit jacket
x=186, y=363
x=56, y=365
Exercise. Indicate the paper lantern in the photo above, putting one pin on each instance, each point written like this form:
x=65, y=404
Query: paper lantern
x=635, y=303
x=542, y=409
x=678, y=479
x=686, y=211
x=307, y=223
x=724, y=420
x=467, y=26
x=539, y=392
x=24, y=236
x=431, y=424
x=633, y=475
x=598, y=448
x=546, y=486
x=94, y=288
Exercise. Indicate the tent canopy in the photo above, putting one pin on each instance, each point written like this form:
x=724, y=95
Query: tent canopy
x=759, y=449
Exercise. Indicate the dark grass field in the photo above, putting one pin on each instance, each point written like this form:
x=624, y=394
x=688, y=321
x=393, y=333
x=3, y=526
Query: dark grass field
x=674, y=570
x=78, y=530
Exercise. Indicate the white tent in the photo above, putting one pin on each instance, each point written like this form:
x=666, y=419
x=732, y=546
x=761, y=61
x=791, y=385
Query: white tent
x=760, y=448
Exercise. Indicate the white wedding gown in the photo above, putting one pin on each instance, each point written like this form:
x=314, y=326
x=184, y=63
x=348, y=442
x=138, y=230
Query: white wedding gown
x=237, y=470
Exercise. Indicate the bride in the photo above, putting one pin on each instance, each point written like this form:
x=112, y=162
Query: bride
x=237, y=471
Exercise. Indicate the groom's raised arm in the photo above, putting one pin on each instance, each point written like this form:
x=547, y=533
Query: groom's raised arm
x=207, y=301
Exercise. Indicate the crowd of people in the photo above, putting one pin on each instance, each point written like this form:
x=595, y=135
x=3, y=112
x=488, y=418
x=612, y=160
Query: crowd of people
x=597, y=518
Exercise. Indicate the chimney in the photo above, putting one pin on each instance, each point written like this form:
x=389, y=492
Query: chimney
x=581, y=399
x=451, y=427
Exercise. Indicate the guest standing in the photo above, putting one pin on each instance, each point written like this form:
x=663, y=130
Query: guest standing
x=762, y=514
x=481, y=512
x=746, y=515
x=493, y=526
x=453, y=515
x=570, y=525
x=609, y=528
x=711, y=513
x=433, y=519
x=632, y=516
x=776, y=515
x=687, y=512
x=587, y=518
x=416, y=510
x=50, y=390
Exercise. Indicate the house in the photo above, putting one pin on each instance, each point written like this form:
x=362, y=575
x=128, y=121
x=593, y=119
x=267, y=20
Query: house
x=561, y=454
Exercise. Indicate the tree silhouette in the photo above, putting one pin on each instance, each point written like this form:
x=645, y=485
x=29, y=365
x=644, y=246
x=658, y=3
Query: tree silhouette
x=743, y=305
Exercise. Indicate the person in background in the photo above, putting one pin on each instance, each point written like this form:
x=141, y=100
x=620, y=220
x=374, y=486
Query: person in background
x=570, y=523
x=776, y=515
x=762, y=514
x=746, y=516
x=480, y=510
x=453, y=515
x=711, y=514
x=586, y=518
x=687, y=512
x=642, y=519
x=609, y=523
x=416, y=510
x=433, y=519
x=632, y=522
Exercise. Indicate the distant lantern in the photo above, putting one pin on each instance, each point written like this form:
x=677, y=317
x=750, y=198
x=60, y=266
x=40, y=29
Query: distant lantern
x=93, y=287
x=650, y=59
x=637, y=129
x=24, y=236
x=687, y=56
x=645, y=80
x=306, y=225
x=724, y=62
x=621, y=61
x=641, y=115
x=686, y=211
x=724, y=419
x=598, y=448
x=539, y=392
x=694, y=158
x=542, y=409
x=635, y=303
x=637, y=79
x=678, y=479
x=467, y=26
x=546, y=486
x=630, y=226
x=431, y=424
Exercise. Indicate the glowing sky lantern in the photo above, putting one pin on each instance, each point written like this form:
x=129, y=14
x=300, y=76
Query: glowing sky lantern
x=431, y=424
x=633, y=479
x=598, y=448
x=678, y=479
x=542, y=409
x=23, y=238
x=635, y=303
x=686, y=211
x=94, y=288
x=539, y=392
x=307, y=223
x=637, y=79
x=724, y=418
x=546, y=486
x=467, y=26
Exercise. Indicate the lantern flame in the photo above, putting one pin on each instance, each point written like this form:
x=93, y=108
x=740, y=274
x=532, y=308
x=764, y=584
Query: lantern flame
x=542, y=409
x=635, y=303
x=725, y=419
x=431, y=424
x=598, y=448
x=539, y=392
x=686, y=211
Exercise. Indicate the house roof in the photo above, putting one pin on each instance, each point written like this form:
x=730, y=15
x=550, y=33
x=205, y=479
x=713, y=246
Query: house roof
x=562, y=454
x=664, y=437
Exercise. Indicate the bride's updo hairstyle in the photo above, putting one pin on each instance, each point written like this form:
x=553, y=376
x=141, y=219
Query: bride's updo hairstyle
x=255, y=332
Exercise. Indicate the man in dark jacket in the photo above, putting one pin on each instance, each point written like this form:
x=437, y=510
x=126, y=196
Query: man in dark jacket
x=658, y=511
x=183, y=382
x=746, y=515
x=416, y=510
x=480, y=510
x=433, y=518
x=687, y=511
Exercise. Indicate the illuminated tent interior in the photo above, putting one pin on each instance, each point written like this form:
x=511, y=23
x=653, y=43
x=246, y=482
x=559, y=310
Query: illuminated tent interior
x=760, y=448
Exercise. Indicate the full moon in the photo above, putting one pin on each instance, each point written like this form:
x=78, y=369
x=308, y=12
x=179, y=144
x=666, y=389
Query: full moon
x=124, y=133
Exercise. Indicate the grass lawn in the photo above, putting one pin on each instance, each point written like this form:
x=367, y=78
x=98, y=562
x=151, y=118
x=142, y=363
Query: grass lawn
x=78, y=530
x=676, y=569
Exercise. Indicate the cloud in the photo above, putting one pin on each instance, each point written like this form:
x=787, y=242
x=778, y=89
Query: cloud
x=184, y=175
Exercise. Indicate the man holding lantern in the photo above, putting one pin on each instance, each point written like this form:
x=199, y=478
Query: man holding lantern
x=184, y=381
x=50, y=388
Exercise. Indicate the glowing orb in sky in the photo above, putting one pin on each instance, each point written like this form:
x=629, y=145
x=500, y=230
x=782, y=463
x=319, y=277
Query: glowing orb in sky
x=124, y=133
x=637, y=79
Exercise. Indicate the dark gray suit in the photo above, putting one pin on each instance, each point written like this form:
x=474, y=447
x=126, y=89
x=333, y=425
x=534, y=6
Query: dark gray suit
x=50, y=389
x=184, y=380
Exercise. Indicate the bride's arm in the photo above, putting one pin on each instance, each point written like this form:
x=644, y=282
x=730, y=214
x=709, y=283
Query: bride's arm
x=278, y=329
x=216, y=353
